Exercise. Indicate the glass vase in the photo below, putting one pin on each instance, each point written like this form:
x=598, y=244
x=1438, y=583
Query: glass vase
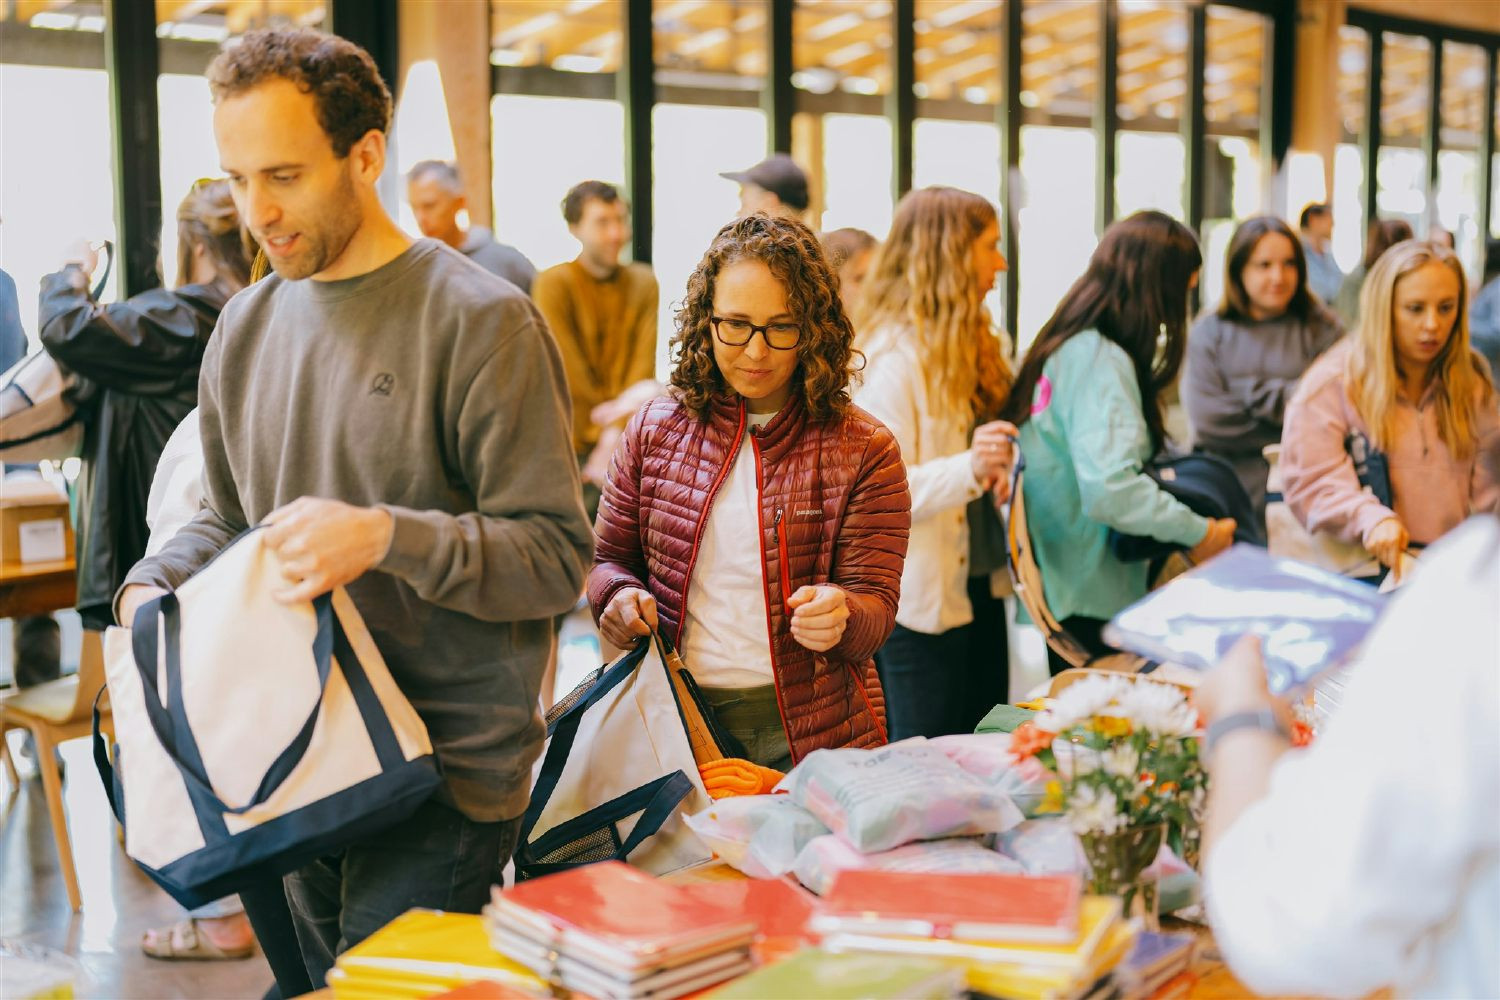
x=1117, y=863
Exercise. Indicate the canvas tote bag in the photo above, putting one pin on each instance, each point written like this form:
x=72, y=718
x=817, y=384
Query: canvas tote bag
x=38, y=418
x=619, y=771
x=253, y=736
x=39, y=415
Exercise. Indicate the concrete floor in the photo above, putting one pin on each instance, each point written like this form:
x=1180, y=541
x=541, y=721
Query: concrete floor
x=119, y=903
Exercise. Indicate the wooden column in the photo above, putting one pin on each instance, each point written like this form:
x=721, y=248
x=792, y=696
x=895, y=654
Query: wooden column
x=456, y=35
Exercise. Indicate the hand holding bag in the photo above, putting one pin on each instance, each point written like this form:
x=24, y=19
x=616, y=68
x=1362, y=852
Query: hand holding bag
x=253, y=736
x=619, y=771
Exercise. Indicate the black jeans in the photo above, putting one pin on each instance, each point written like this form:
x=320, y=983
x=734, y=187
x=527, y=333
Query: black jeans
x=1087, y=632
x=938, y=685
x=436, y=858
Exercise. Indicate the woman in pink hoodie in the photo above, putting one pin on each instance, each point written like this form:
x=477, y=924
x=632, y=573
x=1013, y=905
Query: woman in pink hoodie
x=1408, y=381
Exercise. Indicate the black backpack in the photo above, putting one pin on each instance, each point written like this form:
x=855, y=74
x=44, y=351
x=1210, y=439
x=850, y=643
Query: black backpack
x=1207, y=485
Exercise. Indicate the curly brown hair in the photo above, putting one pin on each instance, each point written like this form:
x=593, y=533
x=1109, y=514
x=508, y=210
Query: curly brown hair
x=351, y=97
x=827, y=360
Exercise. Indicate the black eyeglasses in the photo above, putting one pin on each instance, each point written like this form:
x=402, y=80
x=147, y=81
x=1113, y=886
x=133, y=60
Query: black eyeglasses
x=737, y=333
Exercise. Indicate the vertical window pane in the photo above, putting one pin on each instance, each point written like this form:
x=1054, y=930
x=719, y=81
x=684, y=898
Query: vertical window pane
x=963, y=155
x=857, y=173
x=1236, y=45
x=693, y=145
x=1055, y=216
x=1057, y=221
x=1150, y=159
x=1405, y=99
x=958, y=50
x=1465, y=70
x=842, y=45
x=1348, y=158
x=586, y=142
x=189, y=35
x=56, y=179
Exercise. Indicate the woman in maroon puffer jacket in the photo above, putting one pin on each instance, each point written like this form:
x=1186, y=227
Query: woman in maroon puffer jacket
x=755, y=514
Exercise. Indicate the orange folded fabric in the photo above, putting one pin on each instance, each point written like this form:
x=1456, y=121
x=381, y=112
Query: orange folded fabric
x=735, y=776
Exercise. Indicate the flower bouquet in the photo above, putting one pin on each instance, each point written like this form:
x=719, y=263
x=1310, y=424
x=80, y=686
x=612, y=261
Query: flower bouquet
x=1124, y=753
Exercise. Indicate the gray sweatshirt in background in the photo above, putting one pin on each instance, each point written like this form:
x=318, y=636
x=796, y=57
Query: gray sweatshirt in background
x=1239, y=376
x=431, y=388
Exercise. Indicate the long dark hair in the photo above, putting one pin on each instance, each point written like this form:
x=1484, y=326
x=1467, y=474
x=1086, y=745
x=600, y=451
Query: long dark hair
x=1236, y=304
x=1384, y=234
x=1134, y=292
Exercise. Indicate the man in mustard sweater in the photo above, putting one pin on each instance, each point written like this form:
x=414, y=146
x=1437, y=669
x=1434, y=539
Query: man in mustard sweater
x=603, y=315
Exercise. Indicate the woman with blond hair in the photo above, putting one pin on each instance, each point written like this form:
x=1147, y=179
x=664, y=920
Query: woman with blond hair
x=1408, y=382
x=936, y=377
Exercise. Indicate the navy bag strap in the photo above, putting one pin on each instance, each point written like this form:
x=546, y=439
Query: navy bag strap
x=170, y=722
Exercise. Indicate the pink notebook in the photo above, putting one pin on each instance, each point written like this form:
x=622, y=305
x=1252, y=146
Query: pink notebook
x=612, y=914
x=1020, y=908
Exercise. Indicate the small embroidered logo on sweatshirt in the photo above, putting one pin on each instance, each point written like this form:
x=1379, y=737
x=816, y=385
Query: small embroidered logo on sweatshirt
x=383, y=384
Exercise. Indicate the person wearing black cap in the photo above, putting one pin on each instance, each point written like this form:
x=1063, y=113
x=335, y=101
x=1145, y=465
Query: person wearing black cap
x=775, y=186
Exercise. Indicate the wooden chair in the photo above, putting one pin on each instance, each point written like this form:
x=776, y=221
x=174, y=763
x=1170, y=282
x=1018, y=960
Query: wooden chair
x=54, y=712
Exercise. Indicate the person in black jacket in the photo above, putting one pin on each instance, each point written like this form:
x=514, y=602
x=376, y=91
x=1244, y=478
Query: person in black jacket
x=137, y=362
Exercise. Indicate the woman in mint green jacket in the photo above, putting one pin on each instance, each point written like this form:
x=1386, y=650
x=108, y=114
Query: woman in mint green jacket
x=1088, y=405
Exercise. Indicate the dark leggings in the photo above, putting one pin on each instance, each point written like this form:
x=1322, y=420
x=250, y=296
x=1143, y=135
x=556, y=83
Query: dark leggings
x=938, y=685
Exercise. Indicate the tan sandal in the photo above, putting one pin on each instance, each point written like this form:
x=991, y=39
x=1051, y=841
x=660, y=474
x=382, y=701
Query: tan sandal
x=183, y=941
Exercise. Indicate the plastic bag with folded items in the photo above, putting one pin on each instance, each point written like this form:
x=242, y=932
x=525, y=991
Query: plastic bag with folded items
x=761, y=835
x=1042, y=847
x=879, y=799
x=987, y=757
x=825, y=857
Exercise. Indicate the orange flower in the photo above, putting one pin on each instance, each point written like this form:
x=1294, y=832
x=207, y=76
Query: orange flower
x=1027, y=740
x=1302, y=734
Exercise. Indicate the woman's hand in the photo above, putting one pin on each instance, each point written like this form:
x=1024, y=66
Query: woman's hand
x=819, y=616
x=630, y=614
x=1387, y=541
x=992, y=453
x=1220, y=536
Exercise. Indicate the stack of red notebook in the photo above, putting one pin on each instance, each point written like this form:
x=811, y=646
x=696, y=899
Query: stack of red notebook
x=609, y=930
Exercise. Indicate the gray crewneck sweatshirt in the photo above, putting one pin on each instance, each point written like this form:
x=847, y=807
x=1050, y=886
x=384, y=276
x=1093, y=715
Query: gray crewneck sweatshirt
x=431, y=388
x=1239, y=376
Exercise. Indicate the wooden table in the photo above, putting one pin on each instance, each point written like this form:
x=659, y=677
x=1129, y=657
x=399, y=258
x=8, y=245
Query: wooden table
x=37, y=588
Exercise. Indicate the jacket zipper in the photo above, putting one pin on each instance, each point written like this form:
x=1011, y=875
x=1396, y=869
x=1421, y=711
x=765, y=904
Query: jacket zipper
x=708, y=502
x=765, y=577
x=780, y=539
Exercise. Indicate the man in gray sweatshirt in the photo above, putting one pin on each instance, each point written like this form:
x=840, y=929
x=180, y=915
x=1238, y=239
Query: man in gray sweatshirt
x=399, y=420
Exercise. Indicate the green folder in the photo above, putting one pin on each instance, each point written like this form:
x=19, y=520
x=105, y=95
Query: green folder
x=1004, y=719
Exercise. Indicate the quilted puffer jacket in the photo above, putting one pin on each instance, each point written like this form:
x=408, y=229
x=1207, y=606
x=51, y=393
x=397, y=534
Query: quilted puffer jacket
x=834, y=508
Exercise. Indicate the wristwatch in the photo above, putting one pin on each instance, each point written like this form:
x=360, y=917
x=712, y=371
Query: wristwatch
x=1263, y=719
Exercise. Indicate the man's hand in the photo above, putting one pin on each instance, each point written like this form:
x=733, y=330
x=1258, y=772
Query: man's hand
x=626, y=403
x=630, y=614
x=819, y=616
x=323, y=544
x=133, y=597
x=596, y=469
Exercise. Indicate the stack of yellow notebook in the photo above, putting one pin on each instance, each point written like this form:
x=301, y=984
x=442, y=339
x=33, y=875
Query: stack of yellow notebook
x=1051, y=959
x=422, y=953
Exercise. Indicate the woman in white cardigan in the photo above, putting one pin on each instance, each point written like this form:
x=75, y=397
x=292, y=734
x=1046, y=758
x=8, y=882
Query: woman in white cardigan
x=935, y=376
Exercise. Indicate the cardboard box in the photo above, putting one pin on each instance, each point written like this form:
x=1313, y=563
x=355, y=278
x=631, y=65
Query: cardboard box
x=35, y=525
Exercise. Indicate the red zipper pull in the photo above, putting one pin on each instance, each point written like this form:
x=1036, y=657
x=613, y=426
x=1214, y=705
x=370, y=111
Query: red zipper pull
x=786, y=564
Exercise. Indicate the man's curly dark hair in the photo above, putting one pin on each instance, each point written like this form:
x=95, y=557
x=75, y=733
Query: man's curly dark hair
x=351, y=97
x=827, y=360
